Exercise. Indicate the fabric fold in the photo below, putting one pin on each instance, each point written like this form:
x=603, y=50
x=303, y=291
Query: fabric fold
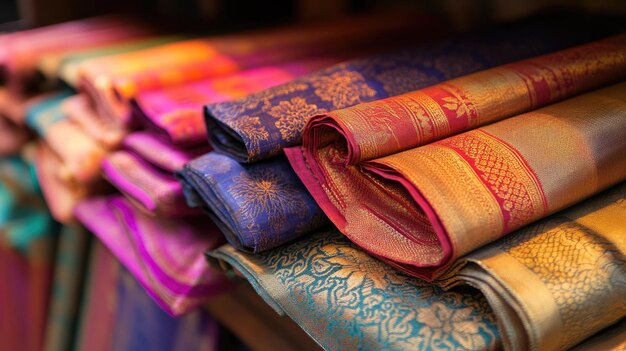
x=67, y=287
x=257, y=206
x=435, y=203
x=261, y=125
x=78, y=109
x=152, y=190
x=164, y=255
x=347, y=300
x=130, y=320
x=67, y=159
x=387, y=126
x=560, y=280
x=160, y=153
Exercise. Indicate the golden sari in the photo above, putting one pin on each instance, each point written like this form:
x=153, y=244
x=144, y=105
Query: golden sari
x=556, y=282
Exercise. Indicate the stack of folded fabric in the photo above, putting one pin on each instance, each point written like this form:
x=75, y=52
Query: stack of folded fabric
x=476, y=184
x=159, y=239
x=260, y=205
x=394, y=178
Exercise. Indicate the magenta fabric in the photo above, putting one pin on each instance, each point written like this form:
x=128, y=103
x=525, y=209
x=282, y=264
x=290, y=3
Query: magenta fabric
x=154, y=191
x=166, y=256
x=161, y=153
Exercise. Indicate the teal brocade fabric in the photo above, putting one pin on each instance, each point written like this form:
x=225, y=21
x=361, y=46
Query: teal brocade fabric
x=347, y=300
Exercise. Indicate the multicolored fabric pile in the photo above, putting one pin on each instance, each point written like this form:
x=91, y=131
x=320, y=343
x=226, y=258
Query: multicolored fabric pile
x=383, y=187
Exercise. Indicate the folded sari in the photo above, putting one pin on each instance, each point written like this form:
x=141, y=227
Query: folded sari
x=12, y=137
x=160, y=153
x=262, y=124
x=27, y=242
x=80, y=154
x=67, y=286
x=154, y=191
x=164, y=255
x=347, y=300
x=23, y=50
x=119, y=316
x=61, y=196
x=112, y=81
x=175, y=113
x=435, y=203
x=42, y=113
x=257, y=206
x=556, y=282
x=78, y=109
x=14, y=106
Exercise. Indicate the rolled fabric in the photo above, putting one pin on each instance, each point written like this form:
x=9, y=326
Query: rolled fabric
x=22, y=50
x=262, y=124
x=175, y=113
x=257, y=206
x=130, y=320
x=435, y=203
x=160, y=153
x=78, y=110
x=347, y=300
x=67, y=286
x=558, y=281
x=164, y=255
x=113, y=81
x=152, y=190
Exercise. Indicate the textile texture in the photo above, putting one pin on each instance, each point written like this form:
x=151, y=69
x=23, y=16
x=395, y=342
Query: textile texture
x=27, y=242
x=347, y=300
x=176, y=114
x=164, y=255
x=67, y=287
x=262, y=124
x=257, y=206
x=260, y=215
x=402, y=194
x=154, y=191
x=112, y=81
x=559, y=280
x=118, y=315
